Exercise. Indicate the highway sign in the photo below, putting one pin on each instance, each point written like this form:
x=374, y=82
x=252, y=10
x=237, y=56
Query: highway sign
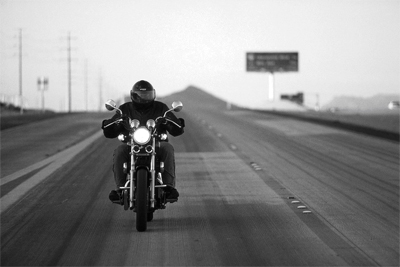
x=272, y=62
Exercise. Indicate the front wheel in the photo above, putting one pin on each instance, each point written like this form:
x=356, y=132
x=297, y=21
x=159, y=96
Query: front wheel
x=141, y=200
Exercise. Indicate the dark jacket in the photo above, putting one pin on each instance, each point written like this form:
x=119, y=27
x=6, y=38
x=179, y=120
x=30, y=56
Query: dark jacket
x=157, y=109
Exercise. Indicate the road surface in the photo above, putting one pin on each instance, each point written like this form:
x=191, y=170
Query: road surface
x=255, y=190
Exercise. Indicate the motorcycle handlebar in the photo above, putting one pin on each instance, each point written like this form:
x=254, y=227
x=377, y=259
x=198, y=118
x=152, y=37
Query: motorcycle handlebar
x=116, y=121
x=111, y=105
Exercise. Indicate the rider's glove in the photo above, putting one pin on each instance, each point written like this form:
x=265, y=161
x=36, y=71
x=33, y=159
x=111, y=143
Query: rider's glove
x=124, y=118
x=161, y=123
x=182, y=122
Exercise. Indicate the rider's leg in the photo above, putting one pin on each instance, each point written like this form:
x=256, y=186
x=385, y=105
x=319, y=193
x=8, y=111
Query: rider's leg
x=121, y=155
x=166, y=154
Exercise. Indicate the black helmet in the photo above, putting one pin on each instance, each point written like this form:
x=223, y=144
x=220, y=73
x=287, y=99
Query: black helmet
x=143, y=93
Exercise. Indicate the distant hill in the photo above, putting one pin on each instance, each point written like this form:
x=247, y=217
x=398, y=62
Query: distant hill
x=375, y=103
x=196, y=98
x=196, y=101
x=199, y=99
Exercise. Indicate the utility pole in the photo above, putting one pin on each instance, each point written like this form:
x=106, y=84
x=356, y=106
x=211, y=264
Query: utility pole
x=86, y=85
x=69, y=71
x=20, y=71
x=100, y=90
x=317, y=107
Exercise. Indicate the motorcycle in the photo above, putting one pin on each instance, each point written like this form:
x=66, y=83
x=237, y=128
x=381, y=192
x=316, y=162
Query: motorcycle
x=144, y=191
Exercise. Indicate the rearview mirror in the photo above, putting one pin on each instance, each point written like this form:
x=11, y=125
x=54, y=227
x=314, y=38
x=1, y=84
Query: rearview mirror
x=110, y=105
x=177, y=106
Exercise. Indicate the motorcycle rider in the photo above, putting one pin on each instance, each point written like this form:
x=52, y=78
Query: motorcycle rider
x=144, y=107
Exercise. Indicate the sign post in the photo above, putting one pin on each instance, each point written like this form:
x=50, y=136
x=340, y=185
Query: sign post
x=43, y=83
x=271, y=63
x=271, y=90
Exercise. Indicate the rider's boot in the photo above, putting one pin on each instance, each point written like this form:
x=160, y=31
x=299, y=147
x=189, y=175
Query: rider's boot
x=116, y=196
x=172, y=194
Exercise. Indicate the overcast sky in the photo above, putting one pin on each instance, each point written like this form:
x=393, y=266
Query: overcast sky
x=346, y=47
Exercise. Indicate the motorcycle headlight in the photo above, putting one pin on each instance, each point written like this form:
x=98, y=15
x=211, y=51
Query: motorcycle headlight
x=135, y=123
x=121, y=137
x=150, y=124
x=141, y=136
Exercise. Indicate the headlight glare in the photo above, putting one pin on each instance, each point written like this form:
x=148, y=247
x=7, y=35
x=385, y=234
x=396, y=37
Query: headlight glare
x=141, y=136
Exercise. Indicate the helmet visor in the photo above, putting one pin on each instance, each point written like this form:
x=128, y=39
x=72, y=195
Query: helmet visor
x=143, y=96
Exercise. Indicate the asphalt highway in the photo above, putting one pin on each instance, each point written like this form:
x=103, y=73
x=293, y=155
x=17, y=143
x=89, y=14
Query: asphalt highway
x=254, y=190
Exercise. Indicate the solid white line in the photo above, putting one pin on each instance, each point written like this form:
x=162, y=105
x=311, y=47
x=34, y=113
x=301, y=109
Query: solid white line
x=55, y=162
x=26, y=170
